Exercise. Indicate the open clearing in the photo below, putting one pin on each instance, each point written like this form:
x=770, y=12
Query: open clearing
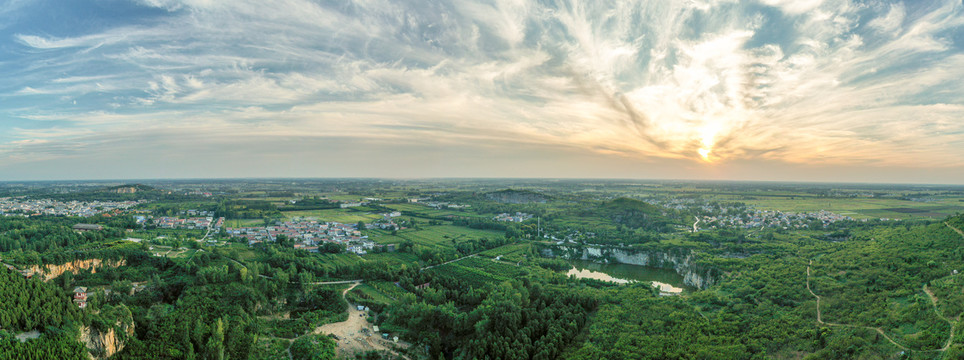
x=335, y=215
x=351, y=333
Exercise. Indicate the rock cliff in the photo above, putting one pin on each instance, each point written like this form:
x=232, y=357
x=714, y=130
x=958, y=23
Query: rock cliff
x=104, y=344
x=51, y=271
x=683, y=261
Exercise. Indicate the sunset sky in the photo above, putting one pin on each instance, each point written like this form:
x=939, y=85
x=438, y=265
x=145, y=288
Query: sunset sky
x=803, y=90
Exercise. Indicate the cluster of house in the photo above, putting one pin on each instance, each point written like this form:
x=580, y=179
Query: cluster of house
x=25, y=207
x=387, y=222
x=199, y=193
x=366, y=201
x=200, y=223
x=199, y=213
x=518, y=217
x=773, y=218
x=437, y=204
x=725, y=215
x=308, y=234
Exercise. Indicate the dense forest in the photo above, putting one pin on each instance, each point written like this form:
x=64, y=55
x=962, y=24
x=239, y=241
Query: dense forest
x=29, y=304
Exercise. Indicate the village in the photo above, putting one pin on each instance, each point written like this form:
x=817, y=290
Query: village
x=713, y=215
x=37, y=207
x=191, y=223
x=518, y=217
x=771, y=218
x=308, y=235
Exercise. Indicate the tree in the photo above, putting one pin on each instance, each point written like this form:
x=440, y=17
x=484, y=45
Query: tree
x=313, y=347
x=215, y=345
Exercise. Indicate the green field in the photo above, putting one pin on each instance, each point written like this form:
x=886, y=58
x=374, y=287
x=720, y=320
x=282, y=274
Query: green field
x=370, y=293
x=478, y=271
x=387, y=288
x=167, y=251
x=438, y=236
x=399, y=257
x=344, y=216
x=238, y=223
x=511, y=252
x=425, y=211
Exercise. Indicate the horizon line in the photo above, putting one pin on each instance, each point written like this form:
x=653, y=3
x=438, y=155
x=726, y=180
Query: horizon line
x=136, y=180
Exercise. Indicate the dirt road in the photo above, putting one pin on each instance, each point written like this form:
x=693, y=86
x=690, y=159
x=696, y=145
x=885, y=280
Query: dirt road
x=351, y=337
x=449, y=262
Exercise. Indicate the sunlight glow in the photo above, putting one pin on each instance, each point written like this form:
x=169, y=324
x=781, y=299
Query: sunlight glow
x=707, y=140
x=705, y=153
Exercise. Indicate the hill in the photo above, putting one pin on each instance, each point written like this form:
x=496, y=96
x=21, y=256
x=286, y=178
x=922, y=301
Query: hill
x=636, y=214
x=127, y=189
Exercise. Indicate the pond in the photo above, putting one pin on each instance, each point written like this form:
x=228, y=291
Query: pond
x=668, y=281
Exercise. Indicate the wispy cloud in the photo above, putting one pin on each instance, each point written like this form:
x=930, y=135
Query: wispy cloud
x=839, y=83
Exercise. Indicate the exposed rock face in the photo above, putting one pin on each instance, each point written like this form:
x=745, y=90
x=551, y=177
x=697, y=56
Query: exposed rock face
x=50, y=271
x=103, y=345
x=683, y=262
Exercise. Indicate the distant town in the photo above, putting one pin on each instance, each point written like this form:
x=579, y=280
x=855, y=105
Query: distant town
x=37, y=207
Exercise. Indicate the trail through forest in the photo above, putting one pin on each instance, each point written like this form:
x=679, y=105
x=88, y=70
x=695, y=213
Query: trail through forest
x=955, y=229
x=820, y=320
x=950, y=338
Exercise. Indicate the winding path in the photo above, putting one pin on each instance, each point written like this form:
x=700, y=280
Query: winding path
x=954, y=228
x=820, y=320
x=950, y=323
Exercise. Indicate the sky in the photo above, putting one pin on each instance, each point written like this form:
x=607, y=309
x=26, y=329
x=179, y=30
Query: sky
x=786, y=90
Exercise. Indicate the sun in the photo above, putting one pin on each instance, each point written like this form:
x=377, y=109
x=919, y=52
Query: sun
x=705, y=153
x=707, y=140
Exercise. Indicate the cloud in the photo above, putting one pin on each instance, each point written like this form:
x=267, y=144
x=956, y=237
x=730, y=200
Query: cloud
x=890, y=23
x=794, y=7
x=837, y=83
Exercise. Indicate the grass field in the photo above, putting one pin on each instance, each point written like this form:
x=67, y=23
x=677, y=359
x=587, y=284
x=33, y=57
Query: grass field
x=366, y=291
x=439, y=236
x=240, y=252
x=167, y=251
x=335, y=215
x=401, y=258
x=388, y=288
x=425, y=211
x=237, y=223
x=478, y=271
x=511, y=252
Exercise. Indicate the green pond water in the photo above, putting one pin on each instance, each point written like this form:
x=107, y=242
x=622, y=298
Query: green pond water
x=668, y=281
